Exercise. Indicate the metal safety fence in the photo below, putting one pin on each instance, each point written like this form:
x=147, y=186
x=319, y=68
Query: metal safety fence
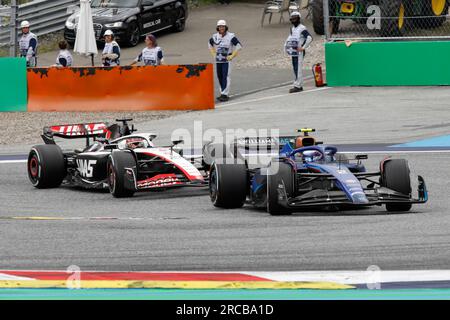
x=46, y=16
x=381, y=19
x=5, y=20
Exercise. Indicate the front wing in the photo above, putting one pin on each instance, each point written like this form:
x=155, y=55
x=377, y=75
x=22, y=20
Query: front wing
x=375, y=195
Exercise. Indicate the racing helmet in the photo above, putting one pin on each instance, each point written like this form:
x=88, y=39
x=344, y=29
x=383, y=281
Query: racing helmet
x=24, y=24
x=135, y=143
x=312, y=155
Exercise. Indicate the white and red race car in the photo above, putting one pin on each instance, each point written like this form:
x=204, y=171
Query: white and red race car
x=116, y=157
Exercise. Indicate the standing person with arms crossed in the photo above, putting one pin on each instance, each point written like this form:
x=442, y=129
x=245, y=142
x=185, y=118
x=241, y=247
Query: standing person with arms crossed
x=224, y=46
x=28, y=45
x=296, y=44
x=111, y=52
x=152, y=55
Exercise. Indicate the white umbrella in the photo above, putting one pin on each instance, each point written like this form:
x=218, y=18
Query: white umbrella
x=85, y=42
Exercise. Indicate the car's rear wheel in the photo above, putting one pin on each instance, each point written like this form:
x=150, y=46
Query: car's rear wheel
x=396, y=176
x=134, y=34
x=117, y=162
x=180, y=22
x=46, y=166
x=279, y=173
x=228, y=185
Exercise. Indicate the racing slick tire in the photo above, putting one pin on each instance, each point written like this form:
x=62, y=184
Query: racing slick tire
x=228, y=185
x=396, y=176
x=117, y=162
x=46, y=166
x=285, y=175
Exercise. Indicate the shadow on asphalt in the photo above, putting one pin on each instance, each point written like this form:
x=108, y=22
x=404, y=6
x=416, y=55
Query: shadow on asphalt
x=317, y=213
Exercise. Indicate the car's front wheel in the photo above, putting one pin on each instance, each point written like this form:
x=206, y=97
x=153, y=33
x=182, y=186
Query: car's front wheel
x=117, y=162
x=279, y=173
x=396, y=176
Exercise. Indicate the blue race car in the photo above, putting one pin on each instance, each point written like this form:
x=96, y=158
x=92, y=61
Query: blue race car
x=305, y=174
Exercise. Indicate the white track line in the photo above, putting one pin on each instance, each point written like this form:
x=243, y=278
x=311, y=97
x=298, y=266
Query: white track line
x=357, y=277
x=4, y=276
x=270, y=97
x=12, y=161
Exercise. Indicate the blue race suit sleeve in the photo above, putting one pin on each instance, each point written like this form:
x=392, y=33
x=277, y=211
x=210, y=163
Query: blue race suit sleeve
x=116, y=50
x=33, y=44
x=235, y=41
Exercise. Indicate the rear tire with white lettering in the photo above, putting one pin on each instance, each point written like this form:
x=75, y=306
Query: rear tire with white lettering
x=46, y=166
x=117, y=162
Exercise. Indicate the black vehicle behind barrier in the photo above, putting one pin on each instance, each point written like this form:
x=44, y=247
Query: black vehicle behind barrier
x=130, y=19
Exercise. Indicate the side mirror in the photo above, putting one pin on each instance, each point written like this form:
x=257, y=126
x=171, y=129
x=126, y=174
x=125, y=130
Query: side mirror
x=361, y=157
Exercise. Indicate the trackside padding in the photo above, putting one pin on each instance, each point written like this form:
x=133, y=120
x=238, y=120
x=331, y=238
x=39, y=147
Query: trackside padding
x=395, y=63
x=13, y=84
x=183, y=87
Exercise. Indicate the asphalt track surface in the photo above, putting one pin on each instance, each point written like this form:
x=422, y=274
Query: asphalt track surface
x=180, y=230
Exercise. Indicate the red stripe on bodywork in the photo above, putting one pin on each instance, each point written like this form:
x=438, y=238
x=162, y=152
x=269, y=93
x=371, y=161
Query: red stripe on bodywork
x=144, y=276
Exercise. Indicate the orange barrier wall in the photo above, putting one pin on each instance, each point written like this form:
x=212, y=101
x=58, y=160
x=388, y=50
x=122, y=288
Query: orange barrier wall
x=187, y=87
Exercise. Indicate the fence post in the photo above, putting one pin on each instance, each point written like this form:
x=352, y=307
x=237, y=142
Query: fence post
x=326, y=19
x=13, y=29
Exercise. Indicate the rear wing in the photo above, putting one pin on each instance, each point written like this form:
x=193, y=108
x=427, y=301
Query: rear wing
x=76, y=131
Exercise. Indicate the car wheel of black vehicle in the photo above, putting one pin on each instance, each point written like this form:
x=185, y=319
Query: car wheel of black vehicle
x=46, y=166
x=228, y=185
x=393, y=20
x=317, y=17
x=180, y=22
x=436, y=12
x=117, y=162
x=396, y=176
x=275, y=176
x=134, y=34
x=318, y=20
